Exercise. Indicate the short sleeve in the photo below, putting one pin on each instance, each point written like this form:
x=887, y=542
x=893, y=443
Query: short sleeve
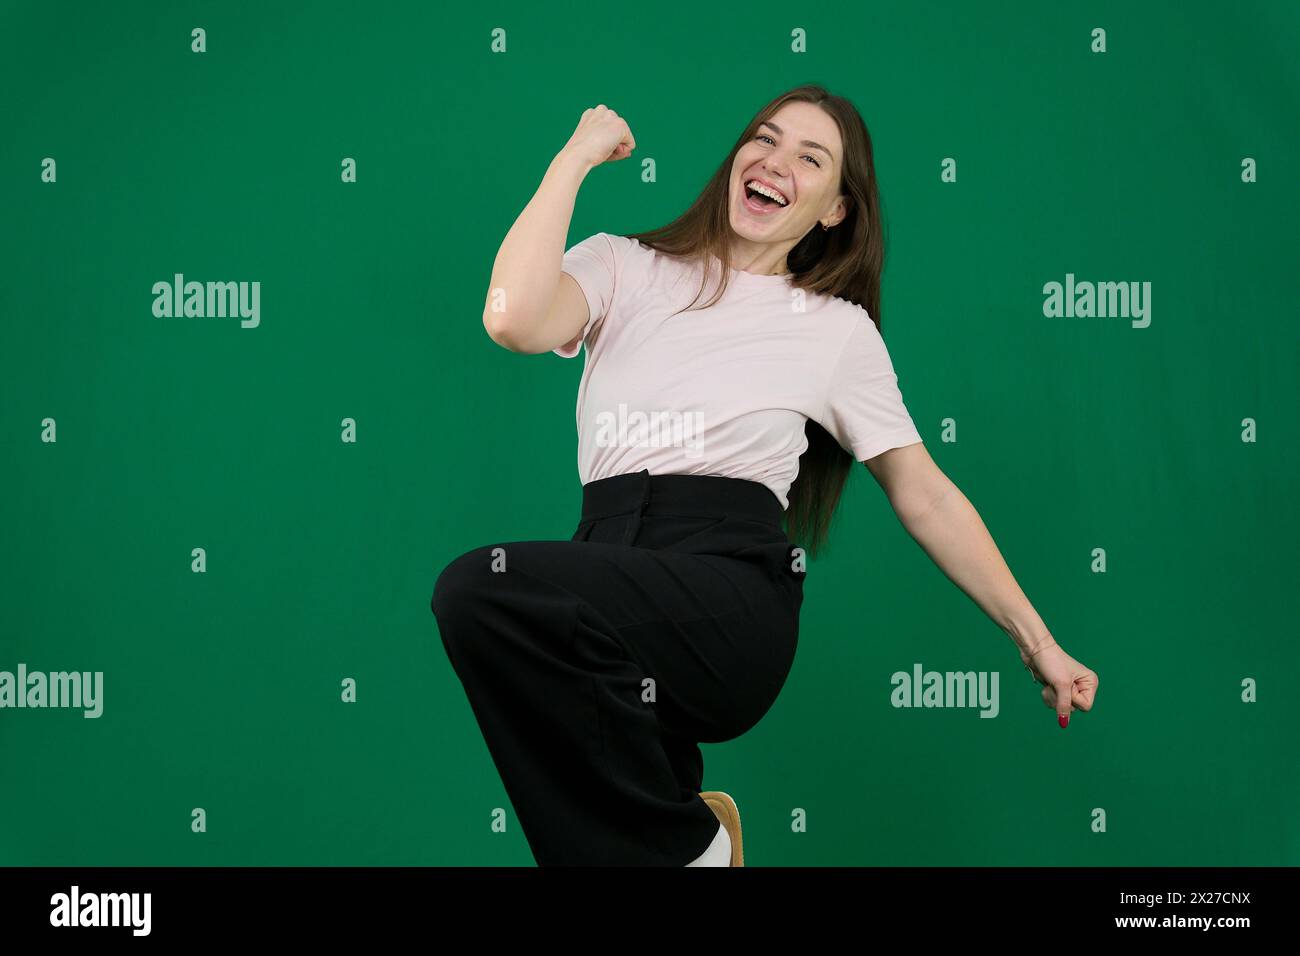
x=864, y=408
x=594, y=264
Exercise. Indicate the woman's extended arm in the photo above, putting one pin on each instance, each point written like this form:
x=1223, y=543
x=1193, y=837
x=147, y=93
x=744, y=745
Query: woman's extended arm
x=947, y=527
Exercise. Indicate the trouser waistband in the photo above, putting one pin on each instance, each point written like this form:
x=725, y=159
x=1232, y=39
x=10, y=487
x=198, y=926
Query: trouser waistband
x=643, y=493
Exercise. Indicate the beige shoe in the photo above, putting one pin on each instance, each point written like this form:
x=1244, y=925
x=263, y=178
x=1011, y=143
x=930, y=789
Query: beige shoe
x=724, y=808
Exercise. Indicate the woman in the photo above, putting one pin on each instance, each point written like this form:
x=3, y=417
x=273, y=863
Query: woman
x=596, y=666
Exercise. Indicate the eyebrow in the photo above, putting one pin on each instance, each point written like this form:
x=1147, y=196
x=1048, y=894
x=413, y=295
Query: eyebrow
x=806, y=142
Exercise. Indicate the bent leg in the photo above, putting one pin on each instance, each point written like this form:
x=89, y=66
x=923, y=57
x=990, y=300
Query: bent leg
x=592, y=670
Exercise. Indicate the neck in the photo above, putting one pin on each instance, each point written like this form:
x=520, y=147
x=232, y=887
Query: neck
x=759, y=258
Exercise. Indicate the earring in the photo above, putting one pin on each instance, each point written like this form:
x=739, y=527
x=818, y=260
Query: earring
x=825, y=228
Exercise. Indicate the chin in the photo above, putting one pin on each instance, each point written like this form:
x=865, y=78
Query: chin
x=746, y=233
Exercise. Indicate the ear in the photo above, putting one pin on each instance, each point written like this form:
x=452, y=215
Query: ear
x=843, y=203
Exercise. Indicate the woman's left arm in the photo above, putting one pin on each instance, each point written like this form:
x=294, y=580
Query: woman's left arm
x=948, y=528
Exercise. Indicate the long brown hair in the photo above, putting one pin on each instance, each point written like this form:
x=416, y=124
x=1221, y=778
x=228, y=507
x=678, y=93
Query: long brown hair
x=844, y=261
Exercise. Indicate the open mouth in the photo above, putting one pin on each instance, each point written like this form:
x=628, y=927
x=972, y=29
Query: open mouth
x=763, y=200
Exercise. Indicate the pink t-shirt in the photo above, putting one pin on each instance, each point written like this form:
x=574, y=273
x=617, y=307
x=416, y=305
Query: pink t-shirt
x=725, y=390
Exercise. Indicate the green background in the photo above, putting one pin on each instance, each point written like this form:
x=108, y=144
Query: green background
x=222, y=689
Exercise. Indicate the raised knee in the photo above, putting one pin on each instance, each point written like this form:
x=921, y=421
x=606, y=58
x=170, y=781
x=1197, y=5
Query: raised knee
x=462, y=582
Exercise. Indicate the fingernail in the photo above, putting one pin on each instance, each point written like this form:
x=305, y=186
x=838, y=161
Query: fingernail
x=1063, y=720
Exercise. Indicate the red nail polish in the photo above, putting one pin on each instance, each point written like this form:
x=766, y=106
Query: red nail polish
x=1063, y=720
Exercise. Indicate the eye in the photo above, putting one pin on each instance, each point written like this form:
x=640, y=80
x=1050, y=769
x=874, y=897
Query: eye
x=807, y=155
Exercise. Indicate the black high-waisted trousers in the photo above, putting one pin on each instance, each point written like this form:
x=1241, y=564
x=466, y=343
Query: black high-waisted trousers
x=596, y=666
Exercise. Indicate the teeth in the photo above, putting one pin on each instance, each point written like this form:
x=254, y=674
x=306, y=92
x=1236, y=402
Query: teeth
x=766, y=191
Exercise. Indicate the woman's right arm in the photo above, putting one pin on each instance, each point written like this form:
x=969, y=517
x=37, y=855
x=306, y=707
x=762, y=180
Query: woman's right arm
x=532, y=306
